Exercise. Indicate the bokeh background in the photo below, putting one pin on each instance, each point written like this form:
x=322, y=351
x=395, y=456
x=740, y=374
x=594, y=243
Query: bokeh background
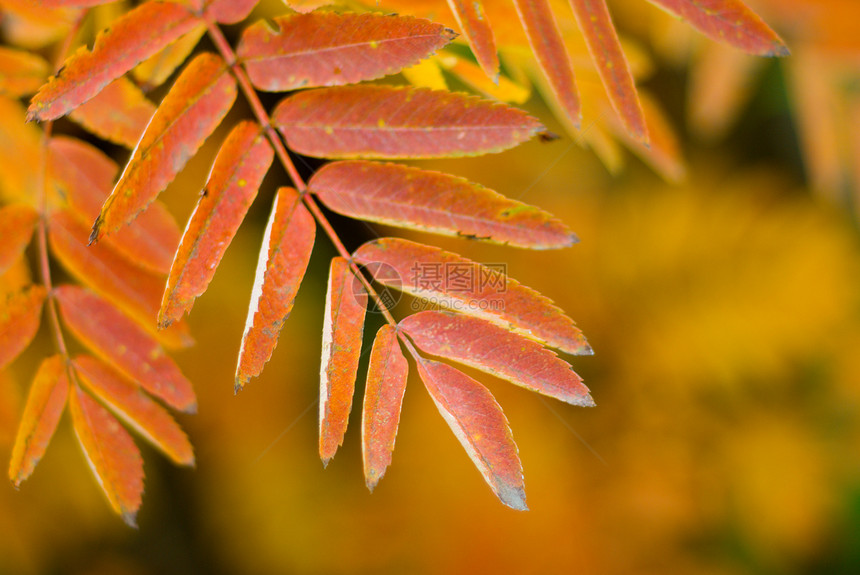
x=723, y=310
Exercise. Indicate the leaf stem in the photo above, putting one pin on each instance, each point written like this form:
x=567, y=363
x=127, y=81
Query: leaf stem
x=265, y=122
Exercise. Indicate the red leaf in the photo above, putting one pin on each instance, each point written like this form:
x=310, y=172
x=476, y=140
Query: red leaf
x=729, y=21
x=485, y=346
x=84, y=177
x=399, y=122
x=473, y=22
x=130, y=404
x=548, y=46
x=330, y=49
x=155, y=70
x=45, y=405
x=343, y=324
x=469, y=287
x=113, y=457
x=20, y=316
x=236, y=175
x=125, y=346
x=383, y=398
x=229, y=11
x=434, y=202
x=17, y=222
x=74, y=3
x=133, y=289
x=481, y=427
x=195, y=105
x=131, y=39
x=119, y=113
x=605, y=49
x=284, y=255
x=21, y=73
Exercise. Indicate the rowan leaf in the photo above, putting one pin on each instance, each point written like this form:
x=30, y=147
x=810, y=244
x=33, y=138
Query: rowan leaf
x=343, y=325
x=73, y=3
x=447, y=279
x=137, y=35
x=305, y=6
x=434, y=202
x=287, y=245
x=119, y=113
x=399, y=122
x=113, y=457
x=20, y=316
x=21, y=72
x=229, y=11
x=476, y=27
x=155, y=70
x=133, y=289
x=83, y=176
x=383, y=399
x=45, y=404
x=548, y=46
x=134, y=407
x=729, y=21
x=122, y=344
x=330, y=49
x=486, y=346
x=605, y=49
x=237, y=172
x=17, y=222
x=189, y=113
x=481, y=427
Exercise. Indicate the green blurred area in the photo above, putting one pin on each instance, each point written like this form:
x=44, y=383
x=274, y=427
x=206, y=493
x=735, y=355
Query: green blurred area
x=724, y=317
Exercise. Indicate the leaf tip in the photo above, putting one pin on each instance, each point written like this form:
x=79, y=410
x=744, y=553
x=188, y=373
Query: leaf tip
x=95, y=234
x=780, y=50
x=547, y=136
x=130, y=518
x=513, y=497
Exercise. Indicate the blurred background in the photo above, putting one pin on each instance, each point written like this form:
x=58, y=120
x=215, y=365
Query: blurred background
x=721, y=299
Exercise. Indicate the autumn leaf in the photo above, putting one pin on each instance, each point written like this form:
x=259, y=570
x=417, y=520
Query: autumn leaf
x=399, y=122
x=473, y=21
x=17, y=222
x=343, y=325
x=119, y=113
x=329, y=49
x=19, y=320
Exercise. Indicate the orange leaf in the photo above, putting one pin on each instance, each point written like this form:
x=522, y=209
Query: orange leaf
x=133, y=289
x=330, y=49
x=125, y=346
x=84, y=177
x=236, y=175
x=155, y=70
x=473, y=22
x=20, y=316
x=287, y=245
x=383, y=398
x=548, y=46
x=113, y=457
x=188, y=114
x=229, y=11
x=17, y=222
x=343, y=324
x=481, y=427
x=729, y=21
x=435, y=202
x=485, y=346
x=119, y=113
x=450, y=280
x=131, y=39
x=605, y=49
x=21, y=73
x=45, y=405
x=130, y=404
x=74, y=3
x=399, y=122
